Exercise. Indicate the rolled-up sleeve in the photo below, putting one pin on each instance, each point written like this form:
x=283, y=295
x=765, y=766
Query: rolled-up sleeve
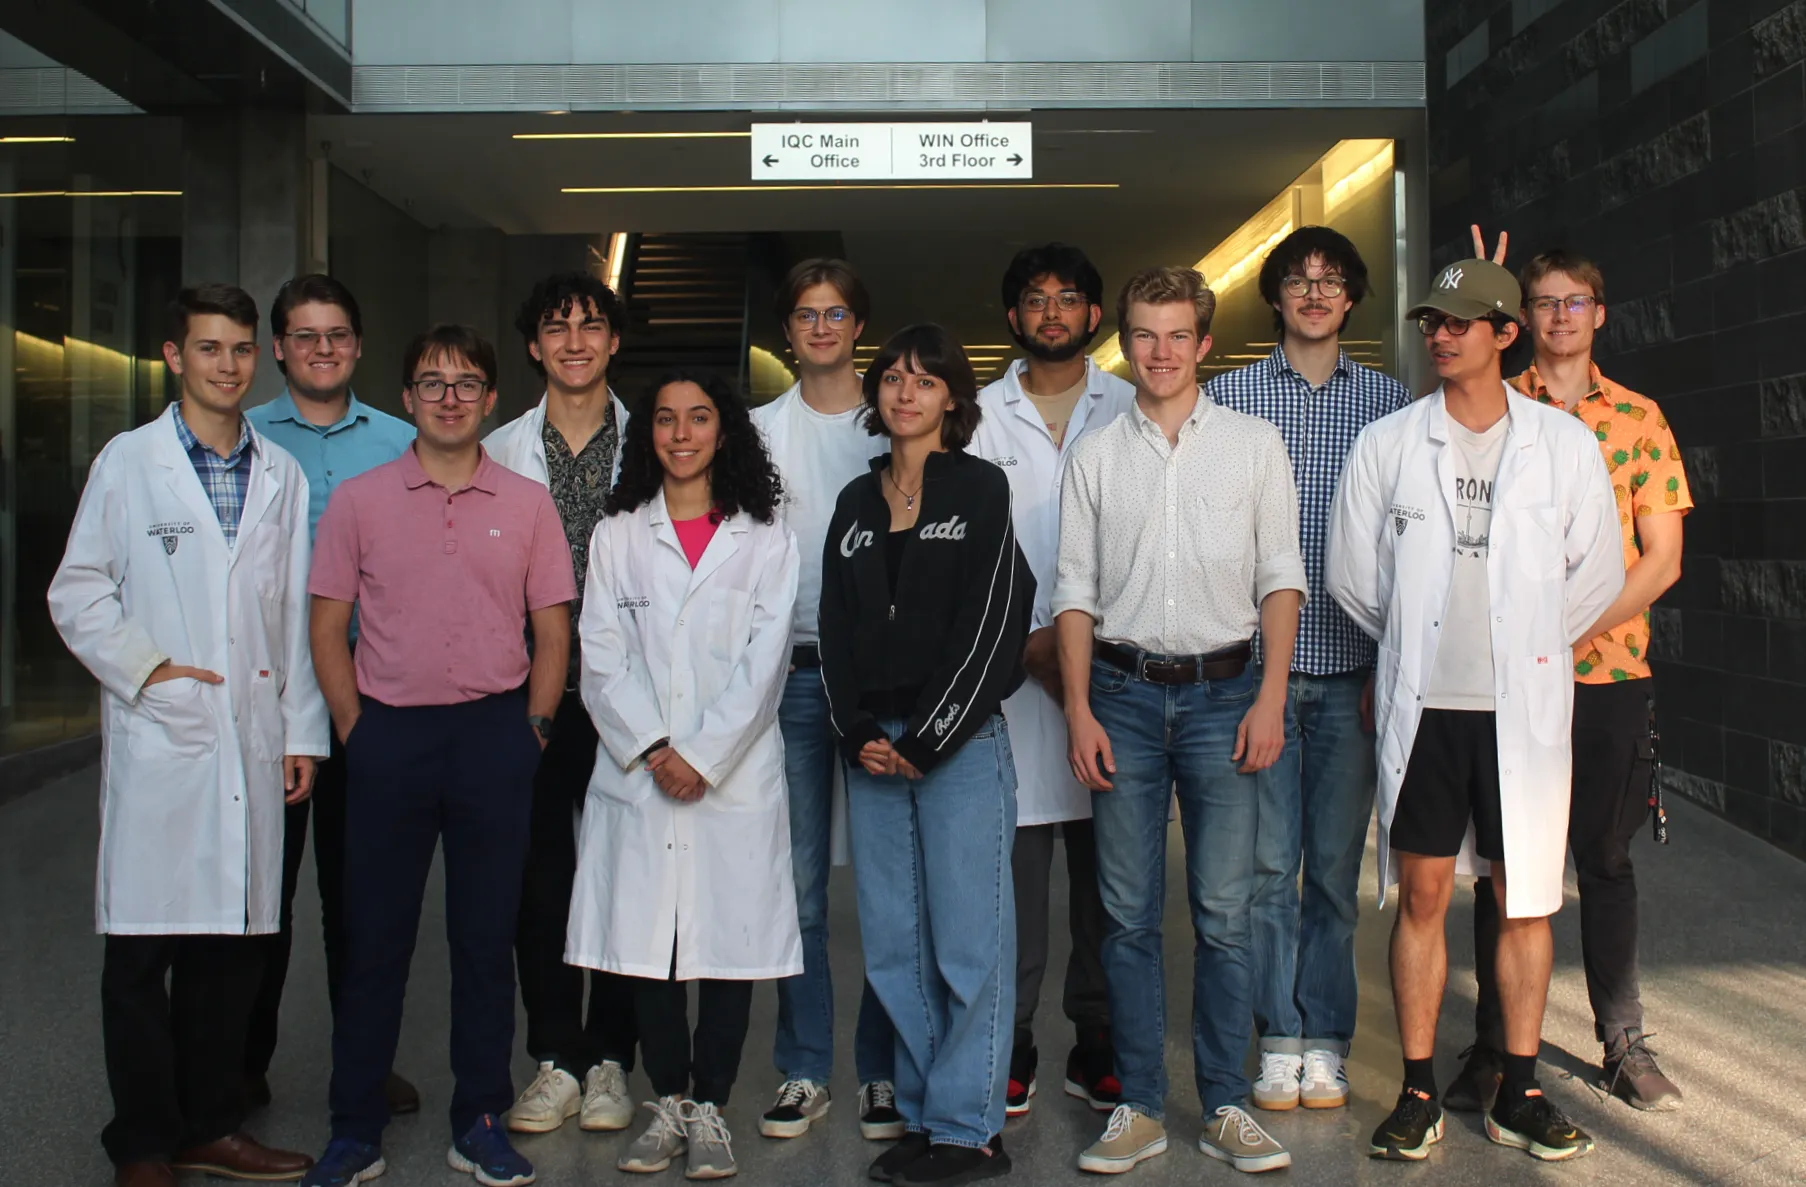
x=1278, y=563
x=1075, y=575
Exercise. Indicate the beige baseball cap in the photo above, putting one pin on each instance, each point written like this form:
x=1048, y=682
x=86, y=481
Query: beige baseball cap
x=1471, y=289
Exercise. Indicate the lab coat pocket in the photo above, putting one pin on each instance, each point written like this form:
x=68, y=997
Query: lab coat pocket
x=729, y=622
x=170, y=719
x=268, y=733
x=267, y=553
x=1536, y=546
x=1545, y=695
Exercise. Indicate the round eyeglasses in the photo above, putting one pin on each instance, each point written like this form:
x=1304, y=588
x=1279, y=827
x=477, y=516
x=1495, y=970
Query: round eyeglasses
x=1326, y=286
x=804, y=318
x=1065, y=302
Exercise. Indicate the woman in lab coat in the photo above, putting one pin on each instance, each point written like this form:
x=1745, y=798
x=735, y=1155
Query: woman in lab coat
x=683, y=868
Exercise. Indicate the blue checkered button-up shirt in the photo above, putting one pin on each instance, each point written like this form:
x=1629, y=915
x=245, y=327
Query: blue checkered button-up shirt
x=225, y=479
x=1319, y=426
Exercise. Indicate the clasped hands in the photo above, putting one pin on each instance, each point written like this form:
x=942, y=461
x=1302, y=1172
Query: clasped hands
x=881, y=758
x=675, y=776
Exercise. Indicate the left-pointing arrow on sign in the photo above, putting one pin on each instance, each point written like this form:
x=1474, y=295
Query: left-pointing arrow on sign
x=770, y=160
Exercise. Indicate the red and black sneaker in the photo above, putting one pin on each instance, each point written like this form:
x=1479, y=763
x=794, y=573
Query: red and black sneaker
x=1021, y=1093
x=1091, y=1072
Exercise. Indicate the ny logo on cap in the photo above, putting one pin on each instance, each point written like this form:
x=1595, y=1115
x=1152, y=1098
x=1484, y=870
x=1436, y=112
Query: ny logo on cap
x=1451, y=277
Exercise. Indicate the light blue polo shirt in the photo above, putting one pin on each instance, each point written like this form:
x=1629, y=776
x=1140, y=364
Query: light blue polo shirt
x=363, y=439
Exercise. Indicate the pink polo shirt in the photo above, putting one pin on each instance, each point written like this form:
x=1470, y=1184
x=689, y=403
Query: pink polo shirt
x=443, y=580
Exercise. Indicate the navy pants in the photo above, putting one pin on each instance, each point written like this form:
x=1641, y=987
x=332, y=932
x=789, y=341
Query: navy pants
x=462, y=773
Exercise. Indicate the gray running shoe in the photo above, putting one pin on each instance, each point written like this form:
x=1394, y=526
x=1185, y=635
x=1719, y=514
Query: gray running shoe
x=1632, y=1076
x=711, y=1154
x=662, y=1139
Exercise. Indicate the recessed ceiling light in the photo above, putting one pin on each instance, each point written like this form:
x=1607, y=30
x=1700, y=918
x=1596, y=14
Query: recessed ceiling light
x=92, y=194
x=37, y=140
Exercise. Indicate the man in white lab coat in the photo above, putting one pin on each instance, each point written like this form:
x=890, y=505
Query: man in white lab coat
x=1475, y=536
x=183, y=589
x=1053, y=297
x=570, y=325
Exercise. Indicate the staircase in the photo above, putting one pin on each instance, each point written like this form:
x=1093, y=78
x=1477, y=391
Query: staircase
x=686, y=298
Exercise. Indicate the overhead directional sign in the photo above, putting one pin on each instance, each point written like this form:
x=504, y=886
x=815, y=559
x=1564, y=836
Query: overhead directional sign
x=914, y=151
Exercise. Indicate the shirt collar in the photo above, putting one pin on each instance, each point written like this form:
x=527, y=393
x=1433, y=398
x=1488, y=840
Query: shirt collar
x=283, y=407
x=190, y=442
x=1531, y=384
x=1016, y=391
x=413, y=477
x=1279, y=366
x=1145, y=423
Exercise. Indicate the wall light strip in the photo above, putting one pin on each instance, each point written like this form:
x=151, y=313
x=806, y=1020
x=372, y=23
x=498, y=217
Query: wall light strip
x=37, y=140
x=91, y=194
x=759, y=189
x=632, y=135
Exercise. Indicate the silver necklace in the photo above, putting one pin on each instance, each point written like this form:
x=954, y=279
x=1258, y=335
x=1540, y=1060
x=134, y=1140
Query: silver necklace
x=909, y=500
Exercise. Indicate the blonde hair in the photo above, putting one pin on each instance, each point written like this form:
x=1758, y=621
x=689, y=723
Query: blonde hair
x=1167, y=285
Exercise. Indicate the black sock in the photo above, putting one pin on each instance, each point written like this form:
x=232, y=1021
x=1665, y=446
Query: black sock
x=1420, y=1074
x=1520, y=1074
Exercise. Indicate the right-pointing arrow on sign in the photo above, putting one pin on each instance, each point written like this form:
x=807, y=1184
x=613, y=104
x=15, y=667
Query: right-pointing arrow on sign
x=1014, y=158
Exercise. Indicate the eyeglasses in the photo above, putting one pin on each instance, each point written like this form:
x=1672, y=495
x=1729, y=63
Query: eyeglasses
x=308, y=341
x=804, y=318
x=1065, y=302
x=433, y=390
x=1576, y=305
x=1429, y=323
x=1326, y=286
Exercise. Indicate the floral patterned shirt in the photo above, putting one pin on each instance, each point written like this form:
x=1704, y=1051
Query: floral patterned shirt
x=1648, y=479
x=580, y=484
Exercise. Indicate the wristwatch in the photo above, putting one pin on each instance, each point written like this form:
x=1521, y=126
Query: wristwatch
x=542, y=726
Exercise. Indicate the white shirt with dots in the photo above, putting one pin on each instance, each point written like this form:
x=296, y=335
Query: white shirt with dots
x=1172, y=548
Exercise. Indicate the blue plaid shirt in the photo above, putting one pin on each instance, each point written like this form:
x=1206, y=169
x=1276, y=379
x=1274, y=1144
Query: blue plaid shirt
x=225, y=479
x=1319, y=426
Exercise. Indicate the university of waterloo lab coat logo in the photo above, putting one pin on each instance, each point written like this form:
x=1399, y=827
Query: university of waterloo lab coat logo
x=172, y=534
x=1402, y=517
x=1398, y=525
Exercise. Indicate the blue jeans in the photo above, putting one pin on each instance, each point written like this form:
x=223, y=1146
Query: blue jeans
x=804, y=1049
x=937, y=911
x=1168, y=738
x=1304, y=973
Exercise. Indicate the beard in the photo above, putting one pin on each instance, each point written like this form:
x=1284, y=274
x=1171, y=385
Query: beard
x=1066, y=352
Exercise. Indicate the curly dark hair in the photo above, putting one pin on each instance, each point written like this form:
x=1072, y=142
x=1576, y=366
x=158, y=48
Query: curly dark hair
x=1293, y=253
x=742, y=476
x=554, y=296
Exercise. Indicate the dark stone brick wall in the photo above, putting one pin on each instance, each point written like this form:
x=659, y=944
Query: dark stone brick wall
x=1667, y=138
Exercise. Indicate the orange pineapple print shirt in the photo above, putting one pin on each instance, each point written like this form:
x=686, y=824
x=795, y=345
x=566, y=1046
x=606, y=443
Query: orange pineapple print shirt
x=1648, y=479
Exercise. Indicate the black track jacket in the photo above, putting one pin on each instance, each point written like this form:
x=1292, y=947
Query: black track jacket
x=953, y=636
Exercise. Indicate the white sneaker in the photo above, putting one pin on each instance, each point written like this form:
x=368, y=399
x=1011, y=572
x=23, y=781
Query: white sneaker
x=1277, y=1087
x=1323, y=1084
x=710, y=1154
x=799, y=1104
x=660, y=1141
x=606, y=1103
x=553, y=1096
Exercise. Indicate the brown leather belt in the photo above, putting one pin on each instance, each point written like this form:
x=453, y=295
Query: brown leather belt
x=1175, y=669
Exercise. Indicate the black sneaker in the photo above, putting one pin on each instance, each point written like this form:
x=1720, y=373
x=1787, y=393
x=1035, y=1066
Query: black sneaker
x=909, y=1148
x=1020, y=1095
x=950, y=1166
x=1407, y=1135
x=1090, y=1071
x=879, y=1120
x=1478, y=1084
x=1532, y=1123
x=1632, y=1076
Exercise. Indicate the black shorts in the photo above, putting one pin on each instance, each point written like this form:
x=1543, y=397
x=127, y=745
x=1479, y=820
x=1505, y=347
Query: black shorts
x=1452, y=778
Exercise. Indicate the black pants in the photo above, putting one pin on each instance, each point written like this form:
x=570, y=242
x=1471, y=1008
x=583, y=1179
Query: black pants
x=1085, y=997
x=703, y=1067
x=175, y=1051
x=327, y=807
x=463, y=773
x=551, y=990
x=1610, y=803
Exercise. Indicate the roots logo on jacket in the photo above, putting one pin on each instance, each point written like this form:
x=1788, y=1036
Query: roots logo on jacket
x=948, y=529
x=946, y=719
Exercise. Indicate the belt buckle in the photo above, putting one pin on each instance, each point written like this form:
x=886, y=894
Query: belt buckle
x=1167, y=670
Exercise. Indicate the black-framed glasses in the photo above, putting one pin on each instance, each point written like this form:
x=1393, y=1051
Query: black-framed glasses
x=1065, y=301
x=1429, y=323
x=1576, y=304
x=469, y=391
x=805, y=318
x=308, y=341
x=1326, y=286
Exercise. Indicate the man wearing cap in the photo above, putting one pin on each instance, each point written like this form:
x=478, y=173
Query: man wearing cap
x=1475, y=537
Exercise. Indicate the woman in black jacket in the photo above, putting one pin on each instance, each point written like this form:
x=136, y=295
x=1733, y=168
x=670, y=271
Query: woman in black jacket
x=924, y=610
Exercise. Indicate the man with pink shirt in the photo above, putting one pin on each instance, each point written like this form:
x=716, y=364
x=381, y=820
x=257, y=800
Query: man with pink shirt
x=447, y=557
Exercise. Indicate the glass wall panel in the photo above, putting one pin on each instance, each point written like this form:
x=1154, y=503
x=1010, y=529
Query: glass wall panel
x=90, y=253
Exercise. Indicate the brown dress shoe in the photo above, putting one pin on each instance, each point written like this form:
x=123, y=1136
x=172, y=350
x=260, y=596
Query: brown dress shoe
x=144, y=1174
x=240, y=1156
x=402, y=1096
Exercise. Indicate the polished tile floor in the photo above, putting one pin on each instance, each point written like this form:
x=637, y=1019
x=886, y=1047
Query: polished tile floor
x=1724, y=950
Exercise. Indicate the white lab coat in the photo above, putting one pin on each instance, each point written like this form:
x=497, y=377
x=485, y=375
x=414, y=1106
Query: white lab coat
x=191, y=799
x=1012, y=435
x=1554, y=563
x=520, y=444
x=698, y=657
